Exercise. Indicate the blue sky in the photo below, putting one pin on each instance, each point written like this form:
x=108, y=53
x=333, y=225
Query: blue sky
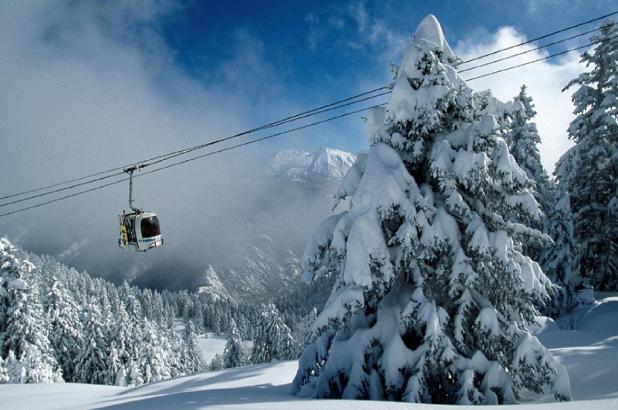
x=316, y=42
x=316, y=51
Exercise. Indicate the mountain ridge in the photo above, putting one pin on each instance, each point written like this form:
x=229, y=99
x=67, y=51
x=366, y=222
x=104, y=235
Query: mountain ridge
x=303, y=166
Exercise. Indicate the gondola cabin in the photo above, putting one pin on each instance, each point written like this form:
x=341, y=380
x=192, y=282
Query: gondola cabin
x=139, y=231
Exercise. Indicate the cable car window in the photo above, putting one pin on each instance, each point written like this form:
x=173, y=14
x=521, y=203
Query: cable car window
x=150, y=227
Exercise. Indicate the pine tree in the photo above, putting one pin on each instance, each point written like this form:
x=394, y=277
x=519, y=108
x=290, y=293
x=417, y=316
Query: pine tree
x=592, y=179
x=37, y=366
x=4, y=373
x=302, y=333
x=136, y=377
x=24, y=328
x=232, y=355
x=122, y=336
x=217, y=362
x=121, y=378
x=191, y=358
x=273, y=339
x=432, y=296
x=15, y=369
x=91, y=365
x=558, y=260
x=523, y=140
x=65, y=328
x=114, y=368
x=152, y=356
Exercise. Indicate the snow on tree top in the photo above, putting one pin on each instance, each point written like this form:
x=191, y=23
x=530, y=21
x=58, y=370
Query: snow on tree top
x=424, y=77
x=429, y=34
x=428, y=37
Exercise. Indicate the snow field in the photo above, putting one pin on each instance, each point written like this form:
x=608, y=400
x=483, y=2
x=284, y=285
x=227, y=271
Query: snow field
x=590, y=355
x=210, y=345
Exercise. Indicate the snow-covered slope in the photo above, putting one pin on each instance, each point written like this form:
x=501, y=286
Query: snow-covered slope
x=325, y=163
x=590, y=355
x=259, y=270
x=590, y=352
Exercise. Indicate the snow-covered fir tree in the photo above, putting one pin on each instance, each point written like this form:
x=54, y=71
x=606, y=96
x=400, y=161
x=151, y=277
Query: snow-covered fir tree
x=65, y=328
x=233, y=355
x=523, y=139
x=24, y=330
x=116, y=373
x=592, y=173
x=191, y=357
x=135, y=374
x=302, y=330
x=152, y=356
x=558, y=260
x=15, y=369
x=4, y=373
x=432, y=296
x=123, y=339
x=92, y=360
x=217, y=362
x=273, y=338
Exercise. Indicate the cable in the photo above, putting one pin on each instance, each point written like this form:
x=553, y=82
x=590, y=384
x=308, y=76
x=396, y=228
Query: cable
x=282, y=133
x=539, y=38
x=60, y=189
x=315, y=111
x=541, y=59
x=285, y=120
x=527, y=51
x=189, y=160
x=166, y=157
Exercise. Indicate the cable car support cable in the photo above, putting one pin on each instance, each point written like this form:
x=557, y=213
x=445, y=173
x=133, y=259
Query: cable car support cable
x=295, y=117
x=328, y=107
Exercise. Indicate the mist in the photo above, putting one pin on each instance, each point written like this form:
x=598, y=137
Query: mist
x=88, y=86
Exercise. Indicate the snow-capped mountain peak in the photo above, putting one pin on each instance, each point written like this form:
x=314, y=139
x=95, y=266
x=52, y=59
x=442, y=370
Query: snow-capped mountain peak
x=325, y=163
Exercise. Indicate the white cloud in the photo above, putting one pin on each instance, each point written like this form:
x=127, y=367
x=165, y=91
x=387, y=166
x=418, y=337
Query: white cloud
x=352, y=26
x=544, y=79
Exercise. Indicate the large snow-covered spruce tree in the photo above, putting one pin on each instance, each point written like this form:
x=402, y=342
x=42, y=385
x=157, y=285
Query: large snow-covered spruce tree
x=432, y=294
x=590, y=169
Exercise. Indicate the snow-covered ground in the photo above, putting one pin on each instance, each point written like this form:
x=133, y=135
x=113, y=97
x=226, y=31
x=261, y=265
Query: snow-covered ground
x=589, y=353
x=210, y=344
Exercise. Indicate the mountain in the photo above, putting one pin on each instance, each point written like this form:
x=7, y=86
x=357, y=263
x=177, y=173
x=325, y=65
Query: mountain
x=298, y=165
x=262, y=259
x=211, y=284
x=260, y=271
